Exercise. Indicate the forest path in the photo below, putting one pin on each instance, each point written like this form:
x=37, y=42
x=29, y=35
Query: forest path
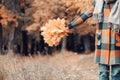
x=60, y=66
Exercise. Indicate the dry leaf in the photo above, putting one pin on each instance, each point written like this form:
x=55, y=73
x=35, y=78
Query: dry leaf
x=54, y=31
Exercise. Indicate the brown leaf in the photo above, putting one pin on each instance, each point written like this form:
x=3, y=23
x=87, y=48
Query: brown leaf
x=54, y=31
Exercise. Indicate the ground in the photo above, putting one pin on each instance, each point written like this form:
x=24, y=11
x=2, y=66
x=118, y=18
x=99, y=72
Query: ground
x=60, y=66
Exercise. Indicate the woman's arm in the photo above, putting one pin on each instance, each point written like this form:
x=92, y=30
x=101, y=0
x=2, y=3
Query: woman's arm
x=83, y=17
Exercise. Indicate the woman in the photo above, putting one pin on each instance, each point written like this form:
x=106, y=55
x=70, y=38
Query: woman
x=107, y=53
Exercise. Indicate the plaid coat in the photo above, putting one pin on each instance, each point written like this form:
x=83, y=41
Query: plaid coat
x=107, y=43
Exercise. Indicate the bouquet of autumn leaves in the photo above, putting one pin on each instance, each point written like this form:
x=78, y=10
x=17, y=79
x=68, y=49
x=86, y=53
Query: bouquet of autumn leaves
x=54, y=31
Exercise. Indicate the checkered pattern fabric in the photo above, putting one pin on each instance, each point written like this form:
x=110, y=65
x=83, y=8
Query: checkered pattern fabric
x=107, y=42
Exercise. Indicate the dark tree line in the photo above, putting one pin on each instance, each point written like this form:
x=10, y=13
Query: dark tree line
x=28, y=45
x=25, y=44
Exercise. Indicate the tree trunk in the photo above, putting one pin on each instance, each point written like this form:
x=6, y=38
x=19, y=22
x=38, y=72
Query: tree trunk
x=11, y=37
x=0, y=38
x=25, y=43
x=86, y=40
x=33, y=45
x=64, y=44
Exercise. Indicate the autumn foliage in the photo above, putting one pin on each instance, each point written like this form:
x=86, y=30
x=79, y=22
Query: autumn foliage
x=54, y=31
x=6, y=17
x=48, y=11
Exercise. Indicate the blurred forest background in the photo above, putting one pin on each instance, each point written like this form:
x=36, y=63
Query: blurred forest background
x=20, y=24
x=30, y=15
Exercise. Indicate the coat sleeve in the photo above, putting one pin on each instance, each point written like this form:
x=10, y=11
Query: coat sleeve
x=82, y=17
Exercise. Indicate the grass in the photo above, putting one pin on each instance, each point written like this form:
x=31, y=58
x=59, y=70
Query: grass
x=60, y=66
